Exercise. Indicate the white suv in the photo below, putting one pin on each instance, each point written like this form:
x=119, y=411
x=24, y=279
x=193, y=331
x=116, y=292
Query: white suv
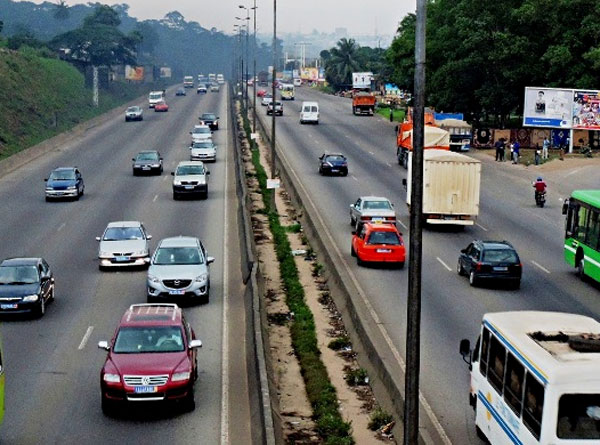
x=179, y=269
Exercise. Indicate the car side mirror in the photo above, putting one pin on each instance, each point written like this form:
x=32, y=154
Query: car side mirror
x=208, y=173
x=172, y=173
x=463, y=251
x=103, y=345
x=97, y=238
x=465, y=350
x=195, y=344
x=396, y=128
x=190, y=132
x=351, y=206
x=210, y=260
x=353, y=232
x=160, y=159
x=565, y=207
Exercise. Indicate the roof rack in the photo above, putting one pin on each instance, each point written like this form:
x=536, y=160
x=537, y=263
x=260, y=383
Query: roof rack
x=153, y=307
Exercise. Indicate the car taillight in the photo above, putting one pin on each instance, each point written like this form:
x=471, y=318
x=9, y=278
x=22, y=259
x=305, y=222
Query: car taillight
x=365, y=218
x=390, y=218
x=478, y=266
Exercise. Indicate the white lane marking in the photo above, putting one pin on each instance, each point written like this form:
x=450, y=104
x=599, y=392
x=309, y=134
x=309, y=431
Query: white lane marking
x=481, y=227
x=372, y=153
x=165, y=178
x=540, y=266
x=225, y=346
x=354, y=177
x=363, y=296
x=573, y=172
x=155, y=197
x=402, y=224
x=86, y=337
x=443, y=264
x=62, y=226
x=388, y=164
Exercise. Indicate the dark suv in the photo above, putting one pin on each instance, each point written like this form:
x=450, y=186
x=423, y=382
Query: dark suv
x=490, y=260
x=26, y=285
x=210, y=119
x=151, y=358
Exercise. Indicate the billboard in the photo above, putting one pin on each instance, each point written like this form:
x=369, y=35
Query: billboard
x=310, y=74
x=165, y=72
x=586, y=109
x=134, y=72
x=547, y=107
x=362, y=80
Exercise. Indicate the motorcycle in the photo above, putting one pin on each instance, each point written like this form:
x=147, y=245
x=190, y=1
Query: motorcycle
x=540, y=198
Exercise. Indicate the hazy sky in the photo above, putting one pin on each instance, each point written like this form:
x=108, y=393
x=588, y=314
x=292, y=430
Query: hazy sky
x=358, y=16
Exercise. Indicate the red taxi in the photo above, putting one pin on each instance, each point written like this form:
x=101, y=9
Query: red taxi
x=151, y=358
x=261, y=93
x=161, y=106
x=378, y=243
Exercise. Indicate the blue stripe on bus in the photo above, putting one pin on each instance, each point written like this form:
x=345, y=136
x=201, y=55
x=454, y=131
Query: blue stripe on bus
x=530, y=366
x=511, y=435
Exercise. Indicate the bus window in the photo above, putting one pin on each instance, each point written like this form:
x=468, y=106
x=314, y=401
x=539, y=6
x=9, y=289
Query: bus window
x=497, y=361
x=513, y=384
x=593, y=230
x=572, y=219
x=581, y=224
x=578, y=416
x=485, y=345
x=475, y=357
x=534, y=403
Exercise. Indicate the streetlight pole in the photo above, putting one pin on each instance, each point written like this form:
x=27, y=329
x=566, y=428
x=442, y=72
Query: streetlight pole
x=413, y=312
x=274, y=98
x=254, y=75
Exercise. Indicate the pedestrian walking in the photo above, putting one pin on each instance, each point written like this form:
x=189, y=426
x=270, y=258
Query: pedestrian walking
x=545, y=146
x=502, y=149
x=537, y=154
x=498, y=146
x=515, y=151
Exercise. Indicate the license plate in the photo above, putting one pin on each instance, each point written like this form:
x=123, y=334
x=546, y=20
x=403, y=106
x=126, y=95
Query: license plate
x=377, y=220
x=384, y=250
x=8, y=306
x=176, y=292
x=122, y=258
x=145, y=168
x=501, y=269
x=334, y=170
x=145, y=389
x=189, y=187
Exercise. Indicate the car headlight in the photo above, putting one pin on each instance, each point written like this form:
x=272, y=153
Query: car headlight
x=155, y=165
x=180, y=376
x=329, y=164
x=141, y=252
x=202, y=277
x=71, y=187
x=112, y=378
x=30, y=298
x=49, y=189
x=176, y=182
x=153, y=279
x=104, y=254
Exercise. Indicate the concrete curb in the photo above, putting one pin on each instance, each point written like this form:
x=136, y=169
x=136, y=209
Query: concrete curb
x=260, y=386
x=374, y=353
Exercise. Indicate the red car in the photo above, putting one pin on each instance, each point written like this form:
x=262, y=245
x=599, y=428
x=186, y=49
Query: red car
x=261, y=93
x=151, y=358
x=378, y=243
x=161, y=106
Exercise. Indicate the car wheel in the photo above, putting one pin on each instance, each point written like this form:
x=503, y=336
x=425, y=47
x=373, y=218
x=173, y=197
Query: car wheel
x=320, y=171
x=205, y=195
x=108, y=407
x=345, y=173
x=359, y=261
x=175, y=196
x=472, y=279
x=47, y=199
x=352, y=251
x=51, y=297
x=42, y=308
x=189, y=403
x=149, y=298
x=401, y=265
x=459, y=269
x=517, y=284
x=135, y=173
x=352, y=221
x=581, y=269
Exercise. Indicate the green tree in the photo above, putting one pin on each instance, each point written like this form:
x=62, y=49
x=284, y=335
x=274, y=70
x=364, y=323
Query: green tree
x=342, y=63
x=61, y=11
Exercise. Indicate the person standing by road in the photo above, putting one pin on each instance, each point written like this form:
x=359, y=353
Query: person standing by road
x=502, y=149
x=498, y=146
x=515, y=151
x=545, y=146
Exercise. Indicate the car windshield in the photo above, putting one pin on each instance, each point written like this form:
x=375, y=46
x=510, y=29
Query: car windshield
x=499, y=256
x=334, y=158
x=209, y=116
x=123, y=233
x=62, y=175
x=186, y=170
x=377, y=205
x=139, y=340
x=202, y=145
x=147, y=156
x=201, y=130
x=384, y=238
x=133, y=109
x=155, y=96
x=201, y=86
x=314, y=109
x=18, y=275
x=177, y=255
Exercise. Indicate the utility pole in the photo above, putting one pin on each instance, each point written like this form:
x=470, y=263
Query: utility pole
x=413, y=312
x=254, y=75
x=273, y=99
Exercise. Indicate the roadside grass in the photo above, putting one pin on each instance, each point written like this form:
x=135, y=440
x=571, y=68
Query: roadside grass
x=41, y=97
x=385, y=112
x=321, y=393
x=379, y=418
x=324, y=89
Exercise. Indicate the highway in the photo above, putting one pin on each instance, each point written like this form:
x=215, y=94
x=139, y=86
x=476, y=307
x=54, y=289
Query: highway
x=53, y=363
x=451, y=309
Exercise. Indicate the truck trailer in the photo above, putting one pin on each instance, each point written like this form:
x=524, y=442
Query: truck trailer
x=451, y=186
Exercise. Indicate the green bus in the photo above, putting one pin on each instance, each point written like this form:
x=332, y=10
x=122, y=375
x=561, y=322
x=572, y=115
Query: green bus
x=582, y=232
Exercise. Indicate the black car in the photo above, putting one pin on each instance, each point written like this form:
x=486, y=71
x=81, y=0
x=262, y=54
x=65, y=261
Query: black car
x=64, y=182
x=210, y=119
x=26, y=285
x=149, y=161
x=333, y=164
x=490, y=260
x=180, y=92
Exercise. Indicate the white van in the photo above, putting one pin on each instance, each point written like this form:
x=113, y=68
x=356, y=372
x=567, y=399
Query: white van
x=297, y=82
x=154, y=97
x=309, y=112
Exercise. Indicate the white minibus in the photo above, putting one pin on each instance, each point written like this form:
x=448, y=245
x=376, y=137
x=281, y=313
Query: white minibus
x=309, y=113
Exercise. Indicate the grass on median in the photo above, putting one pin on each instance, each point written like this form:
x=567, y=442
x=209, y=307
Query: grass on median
x=385, y=112
x=321, y=393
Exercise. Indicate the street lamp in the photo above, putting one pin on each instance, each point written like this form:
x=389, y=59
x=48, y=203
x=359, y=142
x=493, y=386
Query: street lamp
x=274, y=98
x=254, y=67
x=247, y=19
x=240, y=63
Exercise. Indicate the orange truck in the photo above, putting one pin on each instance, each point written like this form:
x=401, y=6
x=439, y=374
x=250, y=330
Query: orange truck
x=363, y=102
x=435, y=137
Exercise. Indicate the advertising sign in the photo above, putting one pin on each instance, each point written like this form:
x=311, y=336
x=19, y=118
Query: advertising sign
x=547, y=107
x=134, y=72
x=586, y=110
x=310, y=74
x=295, y=74
x=362, y=80
x=165, y=72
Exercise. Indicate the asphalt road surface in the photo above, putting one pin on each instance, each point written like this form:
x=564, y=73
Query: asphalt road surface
x=53, y=363
x=451, y=309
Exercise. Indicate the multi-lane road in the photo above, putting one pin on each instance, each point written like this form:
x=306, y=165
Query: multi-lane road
x=452, y=310
x=53, y=364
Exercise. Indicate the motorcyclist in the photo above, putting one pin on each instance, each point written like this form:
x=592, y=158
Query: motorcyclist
x=540, y=188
